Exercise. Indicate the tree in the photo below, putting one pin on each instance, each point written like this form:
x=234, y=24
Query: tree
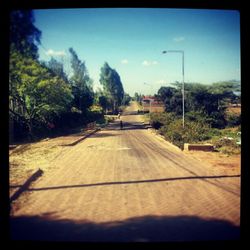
x=226, y=92
x=126, y=99
x=81, y=83
x=24, y=36
x=112, y=85
x=56, y=69
x=166, y=94
x=138, y=97
x=103, y=103
x=39, y=94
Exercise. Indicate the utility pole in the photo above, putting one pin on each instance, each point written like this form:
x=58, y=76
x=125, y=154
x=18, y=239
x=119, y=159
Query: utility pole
x=183, y=84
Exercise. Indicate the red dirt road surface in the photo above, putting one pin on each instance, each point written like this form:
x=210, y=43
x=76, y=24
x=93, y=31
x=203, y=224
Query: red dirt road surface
x=128, y=185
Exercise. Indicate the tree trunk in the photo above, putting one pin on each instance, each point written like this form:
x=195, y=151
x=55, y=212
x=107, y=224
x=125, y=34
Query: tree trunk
x=30, y=126
x=11, y=130
x=114, y=107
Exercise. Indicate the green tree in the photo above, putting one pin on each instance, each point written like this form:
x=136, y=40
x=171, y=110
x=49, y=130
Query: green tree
x=24, y=36
x=103, y=101
x=136, y=97
x=82, y=84
x=166, y=95
x=112, y=85
x=38, y=93
x=126, y=99
x=56, y=69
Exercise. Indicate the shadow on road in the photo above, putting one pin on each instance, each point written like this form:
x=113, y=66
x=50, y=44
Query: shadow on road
x=125, y=113
x=132, y=182
x=103, y=134
x=127, y=126
x=137, y=229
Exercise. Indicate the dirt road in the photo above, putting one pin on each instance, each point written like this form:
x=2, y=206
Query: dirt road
x=128, y=185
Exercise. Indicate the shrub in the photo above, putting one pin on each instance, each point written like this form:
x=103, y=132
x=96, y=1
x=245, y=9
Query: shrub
x=192, y=132
x=157, y=120
x=217, y=120
x=195, y=116
x=233, y=120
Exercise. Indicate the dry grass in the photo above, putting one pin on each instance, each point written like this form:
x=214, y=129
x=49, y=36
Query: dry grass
x=234, y=110
x=227, y=163
x=29, y=157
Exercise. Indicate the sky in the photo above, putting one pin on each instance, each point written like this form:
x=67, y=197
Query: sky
x=132, y=41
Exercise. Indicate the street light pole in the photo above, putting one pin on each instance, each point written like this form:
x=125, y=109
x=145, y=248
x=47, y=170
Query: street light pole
x=183, y=87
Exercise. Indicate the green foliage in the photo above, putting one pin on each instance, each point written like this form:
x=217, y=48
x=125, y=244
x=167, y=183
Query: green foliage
x=227, y=141
x=38, y=95
x=56, y=69
x=171, y=127
x=196, y=116
x=202, y=102
x=157, y=120
x=40, y=92
x=196, y=130
x=82, y=88
x=172, y=99
x=193, y=132
x=226, y=88
x=112, y=85
x=24, y=36
x=103, y=101
x=233, y=120
x=126, y=99
x=138, y=98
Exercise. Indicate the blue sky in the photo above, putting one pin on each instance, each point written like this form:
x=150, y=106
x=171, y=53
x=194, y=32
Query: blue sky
x=132, y=41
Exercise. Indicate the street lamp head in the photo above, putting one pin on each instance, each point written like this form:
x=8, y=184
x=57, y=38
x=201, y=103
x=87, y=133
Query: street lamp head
x=164, y=52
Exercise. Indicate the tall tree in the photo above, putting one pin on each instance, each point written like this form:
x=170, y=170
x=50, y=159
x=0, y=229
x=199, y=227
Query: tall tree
x=57, y=69
x=24, y=38
x=112, y=85
x=24, y=35
x=82, y=84
x=126, y=99
x=165, y=95
x=40, y=95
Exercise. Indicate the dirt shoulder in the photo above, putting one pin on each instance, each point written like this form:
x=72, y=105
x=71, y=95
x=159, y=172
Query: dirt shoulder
x=230, y=164
x=25, y=159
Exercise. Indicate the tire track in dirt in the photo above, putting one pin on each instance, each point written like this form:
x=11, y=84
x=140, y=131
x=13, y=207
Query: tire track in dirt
x=112, y=157
x=200, y=168
x=200, y=192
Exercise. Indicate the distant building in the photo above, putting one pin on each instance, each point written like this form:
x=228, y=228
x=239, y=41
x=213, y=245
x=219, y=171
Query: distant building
x=152, y=104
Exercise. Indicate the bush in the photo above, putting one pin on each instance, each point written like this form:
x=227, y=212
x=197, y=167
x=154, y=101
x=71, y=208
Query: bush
x=192, y=132
x=157, y=120
x=195, y=116
x=217, y=120
x=20, y=130
x=227, y=146
x=233, y=120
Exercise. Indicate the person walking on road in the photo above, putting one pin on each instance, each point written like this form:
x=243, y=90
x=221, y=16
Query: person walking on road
x=121, y=124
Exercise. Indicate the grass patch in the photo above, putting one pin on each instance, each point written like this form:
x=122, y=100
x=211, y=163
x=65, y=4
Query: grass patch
x=196, y=131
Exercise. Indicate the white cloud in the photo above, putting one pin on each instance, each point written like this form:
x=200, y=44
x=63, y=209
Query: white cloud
x=149, y=63
x=161, y=82
x=52, y=52
x=179, y=39
x=124, y=61
x=146, y=63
